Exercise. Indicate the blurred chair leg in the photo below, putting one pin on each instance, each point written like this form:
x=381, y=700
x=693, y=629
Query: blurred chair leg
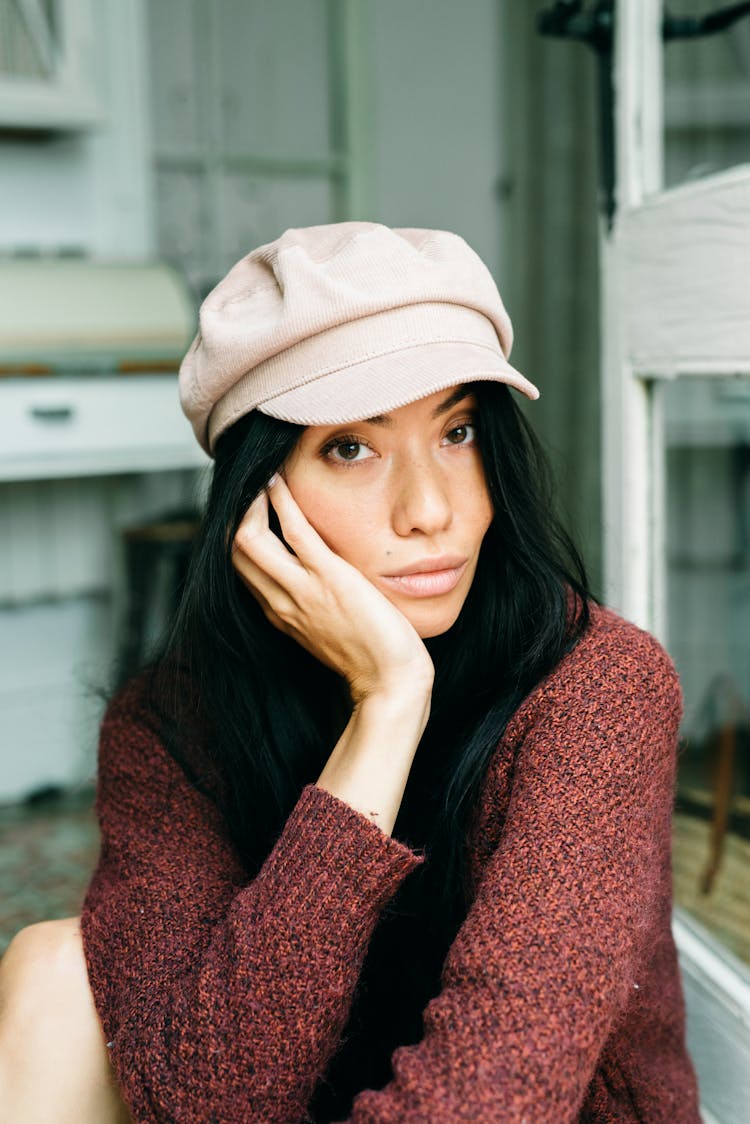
x=168, y=541
x=138, y=570
x=727, y=738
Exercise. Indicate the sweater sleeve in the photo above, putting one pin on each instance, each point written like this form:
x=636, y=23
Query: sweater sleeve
x=222, y=1000
x=548, y=955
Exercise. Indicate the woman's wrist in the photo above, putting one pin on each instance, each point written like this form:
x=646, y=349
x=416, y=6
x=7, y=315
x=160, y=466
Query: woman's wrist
x=396, y=704
x=398, y=690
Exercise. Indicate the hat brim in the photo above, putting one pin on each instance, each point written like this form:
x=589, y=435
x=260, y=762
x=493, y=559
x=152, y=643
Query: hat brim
x=383, y=383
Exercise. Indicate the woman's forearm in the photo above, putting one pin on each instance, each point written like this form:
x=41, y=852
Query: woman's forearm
x=369, y=766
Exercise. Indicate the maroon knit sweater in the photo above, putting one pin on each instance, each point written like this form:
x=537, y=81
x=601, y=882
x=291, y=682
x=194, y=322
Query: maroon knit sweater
x=224, y=1000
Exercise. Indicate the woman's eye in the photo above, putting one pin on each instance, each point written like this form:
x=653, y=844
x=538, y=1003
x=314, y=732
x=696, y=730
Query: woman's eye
x=348, y=451
x=461, y=434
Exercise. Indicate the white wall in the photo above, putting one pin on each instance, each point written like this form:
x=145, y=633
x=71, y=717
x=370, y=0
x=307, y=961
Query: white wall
x=270, y=85
x=88, y=191
x=439, y=137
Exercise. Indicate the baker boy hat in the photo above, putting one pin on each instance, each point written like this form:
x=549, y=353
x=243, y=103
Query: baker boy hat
x=338, y=323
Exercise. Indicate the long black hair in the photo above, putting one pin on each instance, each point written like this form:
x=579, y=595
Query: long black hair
x=253, y=717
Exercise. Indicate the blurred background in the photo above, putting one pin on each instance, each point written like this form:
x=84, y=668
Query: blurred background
x=144, y=147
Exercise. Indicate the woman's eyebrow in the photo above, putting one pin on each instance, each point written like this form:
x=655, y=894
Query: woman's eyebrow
x=457, y=396
x=452, y=400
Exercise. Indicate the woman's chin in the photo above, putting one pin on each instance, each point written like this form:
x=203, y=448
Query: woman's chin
x=431, y=620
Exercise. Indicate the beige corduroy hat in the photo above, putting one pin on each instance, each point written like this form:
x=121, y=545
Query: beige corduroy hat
x=344, y=322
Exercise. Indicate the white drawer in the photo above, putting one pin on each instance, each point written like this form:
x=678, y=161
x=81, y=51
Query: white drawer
x=93, y=425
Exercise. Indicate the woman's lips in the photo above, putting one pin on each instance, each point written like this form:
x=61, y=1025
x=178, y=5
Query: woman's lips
x=426, y=583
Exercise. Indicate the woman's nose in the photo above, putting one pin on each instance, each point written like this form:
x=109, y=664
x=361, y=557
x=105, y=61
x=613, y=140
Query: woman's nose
x=421, y=501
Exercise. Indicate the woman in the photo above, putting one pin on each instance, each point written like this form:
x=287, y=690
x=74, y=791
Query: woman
x=385, y=828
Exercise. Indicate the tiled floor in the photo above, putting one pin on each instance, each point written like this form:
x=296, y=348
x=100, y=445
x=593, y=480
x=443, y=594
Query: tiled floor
x=47, y=853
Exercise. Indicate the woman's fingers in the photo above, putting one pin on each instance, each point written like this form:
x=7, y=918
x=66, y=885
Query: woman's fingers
x=256, y=542
x=275, y=577
x=307, y=550
x=298, y=532
x=272, y=597
x=275, y=601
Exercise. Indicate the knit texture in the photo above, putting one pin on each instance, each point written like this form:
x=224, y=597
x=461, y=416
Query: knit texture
x=224, y=1000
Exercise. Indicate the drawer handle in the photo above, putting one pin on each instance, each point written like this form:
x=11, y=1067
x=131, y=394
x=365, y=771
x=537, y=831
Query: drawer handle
x=51, y=413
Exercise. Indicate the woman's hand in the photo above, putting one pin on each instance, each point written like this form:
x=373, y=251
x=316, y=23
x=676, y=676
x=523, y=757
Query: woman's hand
x=326, y=605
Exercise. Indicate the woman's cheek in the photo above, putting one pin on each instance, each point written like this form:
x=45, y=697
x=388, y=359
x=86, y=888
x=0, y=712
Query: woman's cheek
x=346, y=528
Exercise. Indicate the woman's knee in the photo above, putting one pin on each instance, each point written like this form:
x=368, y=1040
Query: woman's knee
x=53, y=1060
x=46, y=1007
x=44, y=971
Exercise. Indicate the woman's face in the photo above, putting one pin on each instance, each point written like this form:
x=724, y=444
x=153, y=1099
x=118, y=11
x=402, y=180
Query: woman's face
x=403, y=498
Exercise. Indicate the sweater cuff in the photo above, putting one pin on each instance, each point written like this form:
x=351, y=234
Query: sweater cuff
x=331, y=858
